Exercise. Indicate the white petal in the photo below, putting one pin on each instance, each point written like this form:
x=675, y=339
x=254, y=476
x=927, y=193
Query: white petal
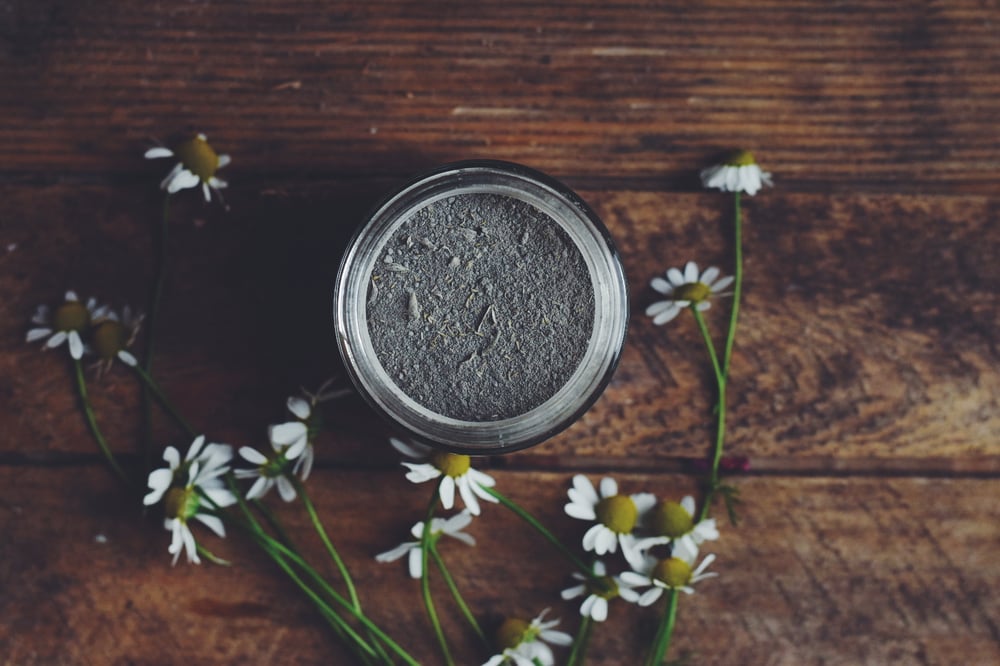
x=667, y=315
x=709, y=275
x=299, y=407
x=588, y=605
x=650, y=596
x=305, y=463
x=259, y=488
x=687, y=503
x=296, y=449
x=127, y=358
x=609, y=487
x=213, y=523
x=396, y=553
x=182, y=180
x=285, y=434
x=628, y=594
x=172, y=457
x=722, y=284
x=421, y=472
x=676, y=277
x=702, y=306
x=607, y=542
x=463, y=537
x=581, y=511
x=206, y=192
x=217, y=183
x=286, y=489
x=590, y=537
x=56, y=340
x=685, y=548
x=662, y=286
x=446, y=491
x=195, y=447
x=586, y=489
x=468, y=496
x=75, y=345
x=37, y=334
x=457, y=522
x=556, y=637
x=170, y=176
x=477, y=478
x=415, y=563
x=705, y=531
x=220, y=497
x=573, y=593
x=190, y=546
x=690, y=272
x=657, y=307
x=252, y=455
x=600, y=609
x=159, y=482
x=634, y=579
x=644, y=501
x=157, y=152
x=224, y=160
x=704, y=565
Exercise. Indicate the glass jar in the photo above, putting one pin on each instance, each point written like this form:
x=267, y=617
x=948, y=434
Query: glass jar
x=593, y=370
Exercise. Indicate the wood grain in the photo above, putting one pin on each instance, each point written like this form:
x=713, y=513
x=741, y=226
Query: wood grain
x=868, y=327
x=841, y=571
x=871, y=95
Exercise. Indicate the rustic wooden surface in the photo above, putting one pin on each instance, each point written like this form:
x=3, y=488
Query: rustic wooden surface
x=865, y=381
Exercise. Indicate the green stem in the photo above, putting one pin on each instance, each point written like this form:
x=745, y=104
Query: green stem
x=737, y=284
x=579, y=652
x=277, y=550
x=665, y=631
x=159, y=277
x=541, y=529
x=456, y=594
x=720, y=431
x=88, y=410
x=334, y=555
x=149, y=383
x=425, y=581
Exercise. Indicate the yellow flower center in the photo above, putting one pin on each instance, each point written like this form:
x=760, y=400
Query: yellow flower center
x=619, y=513
x=452, y=464
x=198, y=157
x=674, y=572
x=603, y=586
x=672, y=520
x=511, y=633
x=109, y=338
x=71, y=316
x=696, y=292
x=741, y=158
x=181, y=503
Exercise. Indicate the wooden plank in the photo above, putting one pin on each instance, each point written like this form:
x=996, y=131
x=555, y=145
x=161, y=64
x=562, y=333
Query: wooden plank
x=868, y=329
x=832, y=571
x=873, y=95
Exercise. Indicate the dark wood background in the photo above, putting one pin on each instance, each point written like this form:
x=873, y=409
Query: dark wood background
x=865, y=376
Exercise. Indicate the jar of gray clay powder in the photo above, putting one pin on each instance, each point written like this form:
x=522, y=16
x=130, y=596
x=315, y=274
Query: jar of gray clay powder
x=482, y=308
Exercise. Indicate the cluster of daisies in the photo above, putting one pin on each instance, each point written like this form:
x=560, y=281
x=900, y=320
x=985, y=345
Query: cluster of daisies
x=194, y=489
x=87, y=329
x=659, y=542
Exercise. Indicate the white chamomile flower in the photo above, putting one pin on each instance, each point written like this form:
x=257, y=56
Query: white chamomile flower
x=671, y=573
x=197, y=166
x=67, y=323
x=307, y=423
x=289, y=442
x=739, y=173
x=599, y=590
x=455, y=471
x=526, y=643
x=186, y=487
x=616, y=515
x=451, y=527
x=673, y=522
x=685, y=289
x=112, y=335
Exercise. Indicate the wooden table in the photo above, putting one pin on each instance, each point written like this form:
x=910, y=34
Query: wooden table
x=865, y=382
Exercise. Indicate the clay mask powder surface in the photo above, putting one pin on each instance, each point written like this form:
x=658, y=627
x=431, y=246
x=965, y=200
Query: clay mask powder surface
x=480, y=307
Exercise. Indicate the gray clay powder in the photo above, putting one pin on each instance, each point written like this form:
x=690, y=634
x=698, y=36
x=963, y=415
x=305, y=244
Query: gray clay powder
x=480, y=307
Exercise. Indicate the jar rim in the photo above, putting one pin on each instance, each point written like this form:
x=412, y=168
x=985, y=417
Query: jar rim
x=585, y=384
